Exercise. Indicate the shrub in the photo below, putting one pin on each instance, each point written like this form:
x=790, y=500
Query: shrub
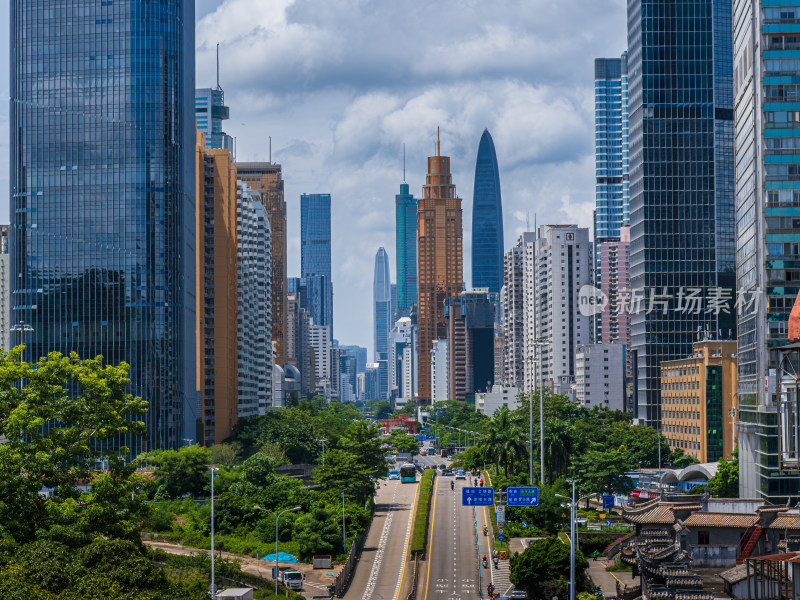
x=420, y=533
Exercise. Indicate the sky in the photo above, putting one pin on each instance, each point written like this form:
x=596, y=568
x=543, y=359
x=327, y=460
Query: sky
x=341, y=85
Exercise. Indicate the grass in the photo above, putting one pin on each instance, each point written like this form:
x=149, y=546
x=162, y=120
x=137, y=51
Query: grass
x=420, y=534
x=618, y=567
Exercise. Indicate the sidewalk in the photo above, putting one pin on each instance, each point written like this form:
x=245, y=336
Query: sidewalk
x=608, y=581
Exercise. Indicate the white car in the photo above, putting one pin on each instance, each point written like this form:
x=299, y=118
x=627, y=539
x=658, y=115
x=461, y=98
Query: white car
x=460, y=474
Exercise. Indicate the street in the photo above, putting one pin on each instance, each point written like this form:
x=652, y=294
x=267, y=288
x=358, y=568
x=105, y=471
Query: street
x=379, y=573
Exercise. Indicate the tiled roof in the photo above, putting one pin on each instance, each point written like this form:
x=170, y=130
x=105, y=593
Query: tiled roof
x=662, y=513
x=706, y=519
x=786, y=521
x=735, y=575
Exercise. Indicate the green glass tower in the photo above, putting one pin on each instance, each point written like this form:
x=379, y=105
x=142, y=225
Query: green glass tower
x=406, y=217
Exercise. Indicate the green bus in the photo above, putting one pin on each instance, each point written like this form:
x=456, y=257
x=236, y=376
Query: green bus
x=408, y=473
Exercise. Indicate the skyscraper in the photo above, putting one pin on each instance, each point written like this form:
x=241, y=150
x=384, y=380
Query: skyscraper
x=102, y=195
x=5, y=287
x=210, y=111
x=382, y=318
x=406, y=244
x=217, y=365
x=515, y=301
x=681, y=180
x=487, y=220
x=265, y=178
x=768, y=232
x=471, y=319
x=440, y=256
x=312, y=293
x=315, y=245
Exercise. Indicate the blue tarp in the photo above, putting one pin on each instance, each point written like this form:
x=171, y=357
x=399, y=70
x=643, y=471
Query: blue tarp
x=282, y=557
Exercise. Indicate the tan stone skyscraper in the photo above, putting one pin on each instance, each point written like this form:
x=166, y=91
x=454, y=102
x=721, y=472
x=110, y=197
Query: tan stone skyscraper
x=265, y=179
x=440, y=259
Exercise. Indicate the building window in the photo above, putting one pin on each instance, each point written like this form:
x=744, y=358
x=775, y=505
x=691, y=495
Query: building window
x=703, y=538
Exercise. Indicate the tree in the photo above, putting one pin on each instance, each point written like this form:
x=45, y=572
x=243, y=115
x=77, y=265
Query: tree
x=316, y=533
x=504, y=441
x=380, y=409
x=725, y=484
x=680, y=460
x=543, y=569
x=602, y=472
x=226, y=454
x=403, y=442
x=182, y=471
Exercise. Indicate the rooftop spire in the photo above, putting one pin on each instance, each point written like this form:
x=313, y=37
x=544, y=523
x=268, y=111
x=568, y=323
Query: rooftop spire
x=218, y=65
x=438, y=146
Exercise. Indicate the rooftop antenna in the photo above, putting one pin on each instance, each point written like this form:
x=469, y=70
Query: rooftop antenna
x=270, y=149
x=404, y=163
x=234, y=148
x=438, y=146
x=528, y=221
x=218, y=66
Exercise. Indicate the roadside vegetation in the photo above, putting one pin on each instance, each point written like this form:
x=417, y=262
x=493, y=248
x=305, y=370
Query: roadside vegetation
x=419, y=535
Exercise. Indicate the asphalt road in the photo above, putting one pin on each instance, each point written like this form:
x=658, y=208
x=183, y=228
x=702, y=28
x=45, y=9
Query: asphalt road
x=379, y=572
x=451, y=571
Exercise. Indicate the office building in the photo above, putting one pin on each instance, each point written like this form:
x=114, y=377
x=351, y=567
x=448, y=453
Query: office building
x=299, y=352
x=360, y=354
x=488, y=403
x=471, y=321
x=487, y=219
x=315, y=246
x=382, y=318
x=254, y=323
x=553, y=276
x=440, y=260
x=371, y=383
x=5, y=287
x=210, y=111
x=767, y=155
x=697, y=395
x=320, y=343
x=102, y=196
x=348, y=387
x=600, y=376
x=615, y=281
x=313, y=294
x=440, y=371
x=515, y=301
x=403, y=361
x=265, y=179
x=216, y=267
x=406, y=248
x=681, y=180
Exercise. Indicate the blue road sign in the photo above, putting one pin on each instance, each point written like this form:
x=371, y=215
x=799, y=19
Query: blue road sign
x=608, y=523
x=523, y=496
x=525, y=524
x=608, y=501
x=430, y=437
x=501, y=537
x=427, y=429
x=477, y=496
x=420, y=437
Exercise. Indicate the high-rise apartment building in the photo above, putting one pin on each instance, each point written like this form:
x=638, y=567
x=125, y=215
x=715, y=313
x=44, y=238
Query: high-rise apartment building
x=5, y=287
x=600, y=376
x=487, y=219
x=615, y=282
x=515, y=301
x=382, y=318
x=406, y=244
x=768, y=230
x=265, y=179
x=315, y=245
x=403, y=361
x=299, y=353
x=102, y=185
x=216, y=267
x=210, y=111
x=681, y=180
x=439, y=371
x=440, y=260
x=555, y=270
x=320, y=343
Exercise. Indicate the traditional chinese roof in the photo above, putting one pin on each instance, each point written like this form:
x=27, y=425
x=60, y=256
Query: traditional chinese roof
x=658, y=513
x=786, y=521
x=735, y=575
x=706, y=519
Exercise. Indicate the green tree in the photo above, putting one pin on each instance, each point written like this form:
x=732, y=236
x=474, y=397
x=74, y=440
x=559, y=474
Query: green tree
x=504, y=441
x=680, y=460
x=380, y=409
x=226, y=454
x=316, y=533
x=725, y=484
x=182, y=471
x=402, y=442
x=602, y=472
x=542, y=570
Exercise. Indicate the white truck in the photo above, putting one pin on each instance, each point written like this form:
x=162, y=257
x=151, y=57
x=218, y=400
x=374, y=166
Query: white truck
x=289, y=578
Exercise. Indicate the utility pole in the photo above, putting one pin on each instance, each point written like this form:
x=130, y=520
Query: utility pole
x=212, y=590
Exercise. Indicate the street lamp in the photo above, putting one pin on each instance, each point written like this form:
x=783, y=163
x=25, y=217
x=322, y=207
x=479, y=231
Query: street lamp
x=277, y=518
x=573, y=507
x=212, y=590
x=537, y=344
x=732, y=414
x=323, y=451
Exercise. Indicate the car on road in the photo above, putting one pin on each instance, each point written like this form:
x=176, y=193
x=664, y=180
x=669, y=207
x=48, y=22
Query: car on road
x=460, y=474
x=518, y=595
x=423, y=453
x=448, y=472
x=394, y=475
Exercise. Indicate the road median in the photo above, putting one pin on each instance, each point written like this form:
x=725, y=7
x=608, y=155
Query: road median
x=419, y=534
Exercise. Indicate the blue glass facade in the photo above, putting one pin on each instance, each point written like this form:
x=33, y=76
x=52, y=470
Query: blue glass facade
x=406, y=244
x=313, y=294
x=681, y=177
x=382, y=318
x=210, y=111
x=102, y=194
x=315, y=247
x=487, y=220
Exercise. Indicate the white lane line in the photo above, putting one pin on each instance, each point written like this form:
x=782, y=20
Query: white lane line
x=378, y=560
x=403, y=556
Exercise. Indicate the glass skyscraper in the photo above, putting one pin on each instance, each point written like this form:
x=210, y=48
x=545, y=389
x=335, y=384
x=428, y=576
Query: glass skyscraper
x=382, y=318
x=487, y=220
x=767, y=74
x=681, y=181
x=406, y=244
x=315, y=246
x=102, y=194
x=210, y=111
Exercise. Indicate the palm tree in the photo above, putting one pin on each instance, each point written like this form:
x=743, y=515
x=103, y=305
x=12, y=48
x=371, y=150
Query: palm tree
x=504, y=440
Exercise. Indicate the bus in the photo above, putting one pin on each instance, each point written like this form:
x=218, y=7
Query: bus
x=408, y=473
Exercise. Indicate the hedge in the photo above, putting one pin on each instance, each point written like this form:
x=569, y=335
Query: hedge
x=419, y=536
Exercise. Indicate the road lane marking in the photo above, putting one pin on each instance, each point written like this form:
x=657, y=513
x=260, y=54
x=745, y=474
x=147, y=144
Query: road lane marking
x=404, y=558
x=376, y=562
x=489, y=548
x=430, y=540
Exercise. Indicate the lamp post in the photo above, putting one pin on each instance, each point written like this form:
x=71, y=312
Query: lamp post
x=573, y=507
x=538, y=344
x=323, y=451
x=732, y=414
x=344, y=531
x=277, y=518
x=212, y=589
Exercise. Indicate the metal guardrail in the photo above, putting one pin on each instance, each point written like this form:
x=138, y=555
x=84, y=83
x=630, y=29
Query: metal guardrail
x=343, y=579
x=412, y=595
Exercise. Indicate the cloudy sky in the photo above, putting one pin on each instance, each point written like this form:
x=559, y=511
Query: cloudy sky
x=341, y=85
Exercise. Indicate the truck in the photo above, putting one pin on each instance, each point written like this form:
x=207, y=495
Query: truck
x=288, y=577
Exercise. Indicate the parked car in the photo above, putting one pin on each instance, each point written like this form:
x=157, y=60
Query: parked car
x=518, y=595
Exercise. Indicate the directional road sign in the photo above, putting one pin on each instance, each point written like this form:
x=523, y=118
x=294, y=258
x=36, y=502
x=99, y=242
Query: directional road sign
x=430, y=437
x=523, y=496
x=608, y=501
x=477, y=496
x=420, y=437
